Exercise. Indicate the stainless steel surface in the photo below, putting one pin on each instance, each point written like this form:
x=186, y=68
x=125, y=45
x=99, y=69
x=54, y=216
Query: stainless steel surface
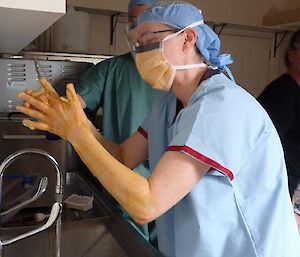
x=14, y=137
x=18, y=74
x=82, y=238
x=50, y=56
x=16, y=155
x=23, y=136
x=41, y=189
x=99, y=232
x=57, y=206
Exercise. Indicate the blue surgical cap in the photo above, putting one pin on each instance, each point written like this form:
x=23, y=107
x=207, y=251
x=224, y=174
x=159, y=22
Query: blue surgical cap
x=180, y=15
x=134, y=3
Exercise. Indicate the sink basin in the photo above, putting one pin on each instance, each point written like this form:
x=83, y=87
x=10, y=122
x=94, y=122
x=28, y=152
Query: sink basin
x=82, y=238
x=99, y=232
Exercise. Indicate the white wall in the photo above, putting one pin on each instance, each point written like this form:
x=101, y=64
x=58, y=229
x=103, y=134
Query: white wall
x=284, y=5
x=251, y=46
x=252, y=57
x=230, y=11
x=100, y=36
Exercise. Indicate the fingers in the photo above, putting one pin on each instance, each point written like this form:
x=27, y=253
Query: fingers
x=70, y=92
x=38, y=93
x=31, y=112
x=64, y=99
x=29, y=91
x=35, y=125
x=72, y=96
x=33, y=102
x=47, y=86
x=44, y=99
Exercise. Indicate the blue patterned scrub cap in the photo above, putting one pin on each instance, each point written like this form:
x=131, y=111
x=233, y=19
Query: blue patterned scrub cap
x=180, y=15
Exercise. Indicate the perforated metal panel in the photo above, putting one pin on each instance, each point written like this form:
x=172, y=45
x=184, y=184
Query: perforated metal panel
x=17, y=74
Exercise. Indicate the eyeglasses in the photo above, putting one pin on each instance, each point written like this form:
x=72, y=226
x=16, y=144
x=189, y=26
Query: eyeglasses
x=160, y=31
x=149, y=36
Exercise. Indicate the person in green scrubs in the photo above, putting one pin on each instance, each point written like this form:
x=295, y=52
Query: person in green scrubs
x=116, y=86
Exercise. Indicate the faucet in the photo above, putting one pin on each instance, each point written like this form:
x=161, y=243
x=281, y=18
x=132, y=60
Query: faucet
x=55, y=214
x=7, y=214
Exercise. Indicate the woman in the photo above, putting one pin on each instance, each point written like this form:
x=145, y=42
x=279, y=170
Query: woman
x=218, y=185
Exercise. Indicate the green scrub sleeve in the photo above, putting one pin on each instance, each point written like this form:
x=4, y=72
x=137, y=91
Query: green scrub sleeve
x=91, y=85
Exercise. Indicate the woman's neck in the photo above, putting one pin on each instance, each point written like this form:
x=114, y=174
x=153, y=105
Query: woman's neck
x=185, y=84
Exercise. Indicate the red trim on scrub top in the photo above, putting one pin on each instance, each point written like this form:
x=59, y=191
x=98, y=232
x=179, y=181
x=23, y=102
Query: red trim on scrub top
x=143, y=132
x=202, y=158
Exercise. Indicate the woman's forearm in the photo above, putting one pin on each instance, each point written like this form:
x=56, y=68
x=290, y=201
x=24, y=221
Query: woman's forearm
x=113, y=148
x=130, y=189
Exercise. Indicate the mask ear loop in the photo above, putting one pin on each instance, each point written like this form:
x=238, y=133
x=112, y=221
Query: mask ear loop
x=186, y=66
x=194, y=24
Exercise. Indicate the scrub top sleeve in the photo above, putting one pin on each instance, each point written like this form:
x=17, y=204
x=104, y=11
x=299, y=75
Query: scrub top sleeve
x=221, y=128
x=187, y=138
x=91, y=85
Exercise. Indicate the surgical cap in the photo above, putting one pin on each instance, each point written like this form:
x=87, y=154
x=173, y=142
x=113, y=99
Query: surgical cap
x=180, y=15
x=134, y=3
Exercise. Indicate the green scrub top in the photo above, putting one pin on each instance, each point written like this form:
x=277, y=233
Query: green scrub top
x=126, y=99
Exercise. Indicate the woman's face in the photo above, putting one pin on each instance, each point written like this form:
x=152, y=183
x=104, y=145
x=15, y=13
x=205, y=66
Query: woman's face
x=150, y=32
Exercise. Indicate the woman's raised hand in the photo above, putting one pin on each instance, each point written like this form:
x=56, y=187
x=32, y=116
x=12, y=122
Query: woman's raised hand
x=59, y=115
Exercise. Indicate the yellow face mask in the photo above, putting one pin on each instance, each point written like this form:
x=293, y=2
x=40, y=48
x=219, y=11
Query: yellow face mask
x=155, y=69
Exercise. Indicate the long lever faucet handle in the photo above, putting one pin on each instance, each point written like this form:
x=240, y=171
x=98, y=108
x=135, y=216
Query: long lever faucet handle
x=56, y=207
x=41, y=189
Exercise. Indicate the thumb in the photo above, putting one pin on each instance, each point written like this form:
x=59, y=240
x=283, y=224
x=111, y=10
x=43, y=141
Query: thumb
x=71, y=93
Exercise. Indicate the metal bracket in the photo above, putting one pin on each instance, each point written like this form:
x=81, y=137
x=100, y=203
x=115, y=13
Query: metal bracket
x=215, y=26
x=276, y=45
x=113, y=23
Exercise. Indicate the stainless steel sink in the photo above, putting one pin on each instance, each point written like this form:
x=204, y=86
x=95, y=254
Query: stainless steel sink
x=100, y=232
x=82, y=238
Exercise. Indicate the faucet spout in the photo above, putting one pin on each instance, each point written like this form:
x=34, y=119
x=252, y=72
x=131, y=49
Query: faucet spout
x=57, y=206
x=18, y=154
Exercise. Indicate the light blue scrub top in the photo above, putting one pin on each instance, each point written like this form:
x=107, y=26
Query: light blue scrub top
x=126, y=99
x=241, y=207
